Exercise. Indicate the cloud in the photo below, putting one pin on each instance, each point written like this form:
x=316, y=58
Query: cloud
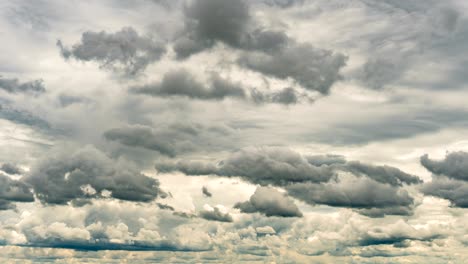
x=169, y=140
x=124, y=51
x=449, y=179
x=455, y=165
x=382, y=174
x=88, y=173
x=269, y=52
x=215, y=214
x=208, y=21
x=11, y=169
x=314, y=69
x=23, y=117
x=456, y=191
x=206, y=192
x=13, y=191
x=15, y=86
x=277, y=166
x=271, y=203
x=282, y=166
x=330, y=179
x=353, y=192
x=182, y=83
x=226, y=21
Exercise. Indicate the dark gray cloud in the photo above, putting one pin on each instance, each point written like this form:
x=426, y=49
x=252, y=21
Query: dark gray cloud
x=277, y=166
x=15, y=86
x=329, y=159
x=270, y=202
x=215, y=214
x=13, y=191
x=321, y=179
x=449, y=179
x=455, y=165
x=230, y=22
x=383, y=174
x=208, y=21
x=281, y=166
x=88, y=173
x=456, y=191
x=313, y=68
x=359, y=193
x=183, y=83
x=226, y=21
x=285, y=96
x=124, y=50
x=206, y=192
x=11, y=169
x=168, y=140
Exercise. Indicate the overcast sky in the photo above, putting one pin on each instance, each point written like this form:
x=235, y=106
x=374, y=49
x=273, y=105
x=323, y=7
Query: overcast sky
x=211, y=131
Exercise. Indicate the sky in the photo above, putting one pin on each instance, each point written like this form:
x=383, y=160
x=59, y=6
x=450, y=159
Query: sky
x=233, y=131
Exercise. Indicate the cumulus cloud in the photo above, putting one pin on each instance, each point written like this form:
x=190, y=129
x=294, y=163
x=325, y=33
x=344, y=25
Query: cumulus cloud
x=15, y=86
x=455, y=165
x=229, y=22
x=456, y=191
x=449, y=179
x=271, y=203
x=313, y=68
x=88, y=173
x=320, y=179
x=353, y=192
x=13, y=191
x=124, y=50
x=269, y=52
x=215, y=214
